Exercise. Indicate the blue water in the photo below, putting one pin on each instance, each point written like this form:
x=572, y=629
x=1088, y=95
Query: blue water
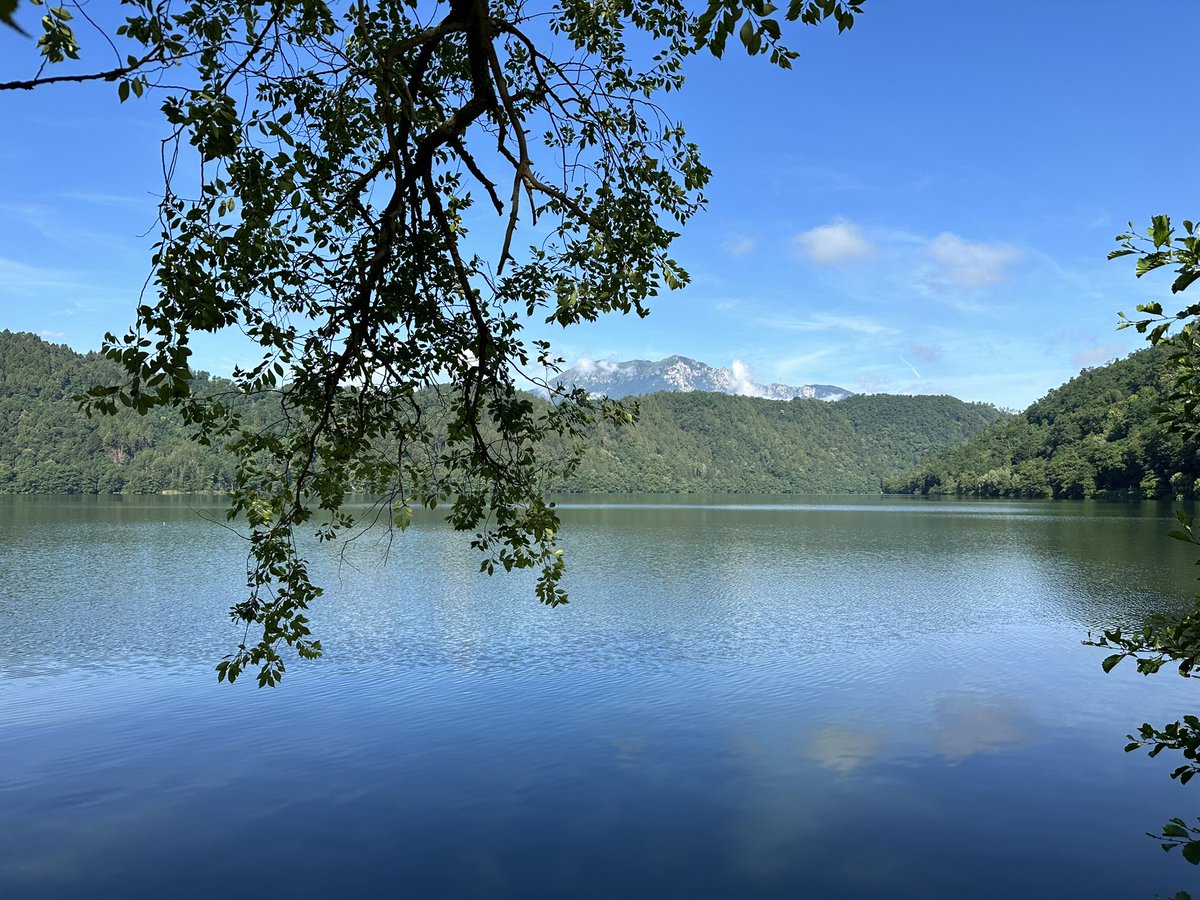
x=745, y=697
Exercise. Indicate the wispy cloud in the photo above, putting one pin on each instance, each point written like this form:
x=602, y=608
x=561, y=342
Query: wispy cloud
x=834, y=244
x=738, y=245
x=825, y=322
x=789, y=366
x=47, y=333
x=58, y=226
x=911, y=366
x=42, y=284
x=100, y=199
x=811, y=178
x=18, y=279
x=956, y=263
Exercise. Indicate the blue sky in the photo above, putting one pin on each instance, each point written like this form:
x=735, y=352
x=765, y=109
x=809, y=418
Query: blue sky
x=922, y=205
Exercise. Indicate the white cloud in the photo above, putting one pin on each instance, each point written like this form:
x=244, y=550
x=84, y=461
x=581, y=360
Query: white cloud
x=586, y=365
x=833, y=244
x=47, y=333
x=743, y=379
x=959, y=264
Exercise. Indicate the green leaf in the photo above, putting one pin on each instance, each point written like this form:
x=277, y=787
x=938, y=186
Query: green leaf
x=1111, y=661
x=1185, y=280
x=1160, y=230
x=7, y=8
x=747, y=34
x=1191, y=852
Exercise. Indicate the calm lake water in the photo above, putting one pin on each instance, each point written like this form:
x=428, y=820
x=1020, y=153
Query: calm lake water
x=775, y=697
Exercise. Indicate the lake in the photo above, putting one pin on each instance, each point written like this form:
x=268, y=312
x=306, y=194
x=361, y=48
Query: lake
x=747, y=696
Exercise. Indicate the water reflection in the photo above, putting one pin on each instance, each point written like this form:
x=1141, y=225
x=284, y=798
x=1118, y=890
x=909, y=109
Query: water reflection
x=845, y=749
x=843, y=698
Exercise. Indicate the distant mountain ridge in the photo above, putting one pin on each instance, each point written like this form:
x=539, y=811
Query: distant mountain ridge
x=679, y=374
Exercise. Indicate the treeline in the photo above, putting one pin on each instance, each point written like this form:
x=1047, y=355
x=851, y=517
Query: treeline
x=716, y=443
x=693, y=442
x=1096, y=436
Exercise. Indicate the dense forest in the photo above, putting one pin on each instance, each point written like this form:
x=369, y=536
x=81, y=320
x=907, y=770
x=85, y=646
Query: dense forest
x=48, y=447
x=1096, y=436
x=683, y=442
x=706, y=442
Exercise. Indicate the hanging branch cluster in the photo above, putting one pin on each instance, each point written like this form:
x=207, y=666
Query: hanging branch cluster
x=321, y=175
x=1172, y=638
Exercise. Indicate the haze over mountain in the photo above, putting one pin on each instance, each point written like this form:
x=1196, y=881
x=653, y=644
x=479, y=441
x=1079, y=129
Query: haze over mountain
x=678, y=374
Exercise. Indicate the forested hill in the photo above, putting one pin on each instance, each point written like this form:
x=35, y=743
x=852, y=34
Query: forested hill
x=684, y=442
x=48, y=446
x=707, y=442
x=1097, y=435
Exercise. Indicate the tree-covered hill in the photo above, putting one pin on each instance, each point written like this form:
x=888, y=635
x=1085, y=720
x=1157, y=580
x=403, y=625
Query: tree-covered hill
x=683, y=442
x=48, y=446
x=1097, y=435
x=707, y=442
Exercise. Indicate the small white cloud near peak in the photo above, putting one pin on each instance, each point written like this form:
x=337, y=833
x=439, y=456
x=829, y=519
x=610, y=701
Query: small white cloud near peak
x=833, y=244
x=584, y=365
x=743, y=379
x=967, y=265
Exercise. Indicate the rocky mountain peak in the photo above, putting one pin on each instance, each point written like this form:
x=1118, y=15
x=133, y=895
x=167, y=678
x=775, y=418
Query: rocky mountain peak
x=681, y=374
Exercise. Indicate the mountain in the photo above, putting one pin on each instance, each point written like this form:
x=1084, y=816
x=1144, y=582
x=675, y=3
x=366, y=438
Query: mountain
x=680, y=374
x=714, y=443
x=1098, y=435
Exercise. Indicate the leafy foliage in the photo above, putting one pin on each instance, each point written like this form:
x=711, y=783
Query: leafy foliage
x=339, y=152
x=1168, y=639
x=1099, y=435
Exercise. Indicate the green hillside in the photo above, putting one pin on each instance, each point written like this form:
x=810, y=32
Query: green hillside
x=47, y=446
x=695, y=442
x=1096, y=436
x=705, y=442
